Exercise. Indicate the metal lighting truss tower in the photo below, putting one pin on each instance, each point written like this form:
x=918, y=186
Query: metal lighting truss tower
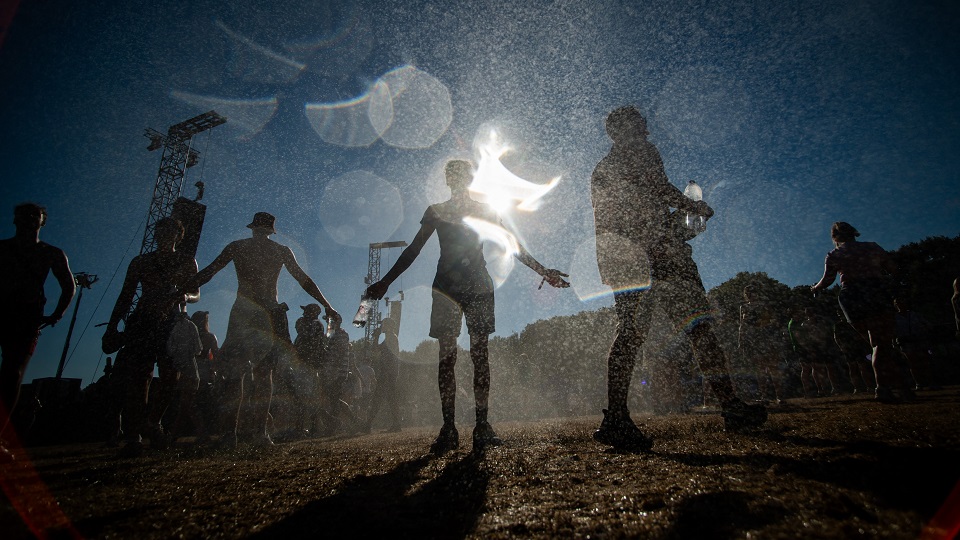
x=373, y=276
x=177, y=157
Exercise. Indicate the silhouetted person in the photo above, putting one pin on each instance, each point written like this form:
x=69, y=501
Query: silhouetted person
x=184, y=347
x=334, y=381
x=866, y=298
x=210, y=348
x=311, y=342
x=207, y=360
x=257, y=332
x=814, y=343
x=387, y=367
x=25, y=262
x=462, y=287
x=162, y=275
x=302, y=379
x=955, y=303
x=913, y=339
x=759, y=342
x=854, y=350
x=643, y=258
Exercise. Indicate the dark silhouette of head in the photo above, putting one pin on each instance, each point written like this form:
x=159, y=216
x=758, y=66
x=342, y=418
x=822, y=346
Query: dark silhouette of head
x=201, y=319
x=459, y=173
x=311, y=311
x=843, y=232
x=625, y=124
x=263, y=222
x=168, y=231
x=23, y=212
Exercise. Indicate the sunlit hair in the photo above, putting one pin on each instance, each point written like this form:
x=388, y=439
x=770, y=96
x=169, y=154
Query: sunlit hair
x=459, y=171
x=170, y=224
x=843, y=232
x=622, y=120
x=28, y=208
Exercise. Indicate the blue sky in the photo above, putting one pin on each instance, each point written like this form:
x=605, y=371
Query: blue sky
x=790, y=116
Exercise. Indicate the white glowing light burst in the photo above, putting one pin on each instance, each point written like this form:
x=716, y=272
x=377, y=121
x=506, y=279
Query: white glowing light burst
x=503, y=241
x=500, y=187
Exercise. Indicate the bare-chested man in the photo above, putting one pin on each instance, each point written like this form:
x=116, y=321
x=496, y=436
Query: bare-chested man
x=462, y=287
x=25, y=262
x=258, y=327
x=160, y=274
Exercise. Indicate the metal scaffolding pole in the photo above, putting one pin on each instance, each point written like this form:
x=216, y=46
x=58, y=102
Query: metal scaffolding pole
x=373, y=276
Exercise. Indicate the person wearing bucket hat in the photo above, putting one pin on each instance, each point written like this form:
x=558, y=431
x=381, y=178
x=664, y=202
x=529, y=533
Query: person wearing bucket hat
x=257, y=331
x=263, y=220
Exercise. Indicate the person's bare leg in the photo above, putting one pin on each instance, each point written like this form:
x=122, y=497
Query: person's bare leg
x=481, y=375
x=262, y=396
x=447, y=379
x=449, y=438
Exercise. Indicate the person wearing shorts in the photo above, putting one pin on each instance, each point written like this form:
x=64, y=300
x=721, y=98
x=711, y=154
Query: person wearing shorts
x=642, y=254
x=160, y=274
x=257, y=331
x=462, y=289
x=866, y=298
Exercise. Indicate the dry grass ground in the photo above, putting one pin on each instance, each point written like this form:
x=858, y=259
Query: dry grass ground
x=827, y=468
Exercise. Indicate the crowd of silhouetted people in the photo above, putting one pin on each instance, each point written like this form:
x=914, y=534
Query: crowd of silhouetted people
x=263, y=384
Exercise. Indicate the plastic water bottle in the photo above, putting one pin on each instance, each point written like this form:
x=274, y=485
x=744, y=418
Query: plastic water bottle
x=695, y=222
x=367, y=305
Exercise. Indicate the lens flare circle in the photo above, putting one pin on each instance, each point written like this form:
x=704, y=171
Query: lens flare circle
x=411, y=109
x=250, y=115
x=254, y=62
x=360, y=208
x=345, y=123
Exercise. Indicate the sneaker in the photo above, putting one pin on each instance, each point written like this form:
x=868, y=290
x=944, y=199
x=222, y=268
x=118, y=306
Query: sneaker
x=484, y=436
x=886, y=396
x=448, y=440
x=739, y=415
x=619, y=431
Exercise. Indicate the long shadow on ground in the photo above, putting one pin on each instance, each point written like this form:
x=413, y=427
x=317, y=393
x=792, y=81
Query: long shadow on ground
x=447, y=506
x=906, y=478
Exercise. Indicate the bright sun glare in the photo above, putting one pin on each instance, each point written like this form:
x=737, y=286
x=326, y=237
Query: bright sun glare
x=501, y=188
x=504, y=191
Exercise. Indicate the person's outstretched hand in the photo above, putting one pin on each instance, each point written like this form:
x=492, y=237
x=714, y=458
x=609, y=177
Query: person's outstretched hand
x=377, y=290
x=332, y=315
x=555, y=278
x=703, y=209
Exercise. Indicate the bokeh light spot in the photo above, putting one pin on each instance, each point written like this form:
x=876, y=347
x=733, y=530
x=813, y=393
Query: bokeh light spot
x=414, y=111
x=360, y=208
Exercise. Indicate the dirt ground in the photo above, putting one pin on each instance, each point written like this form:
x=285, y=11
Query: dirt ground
x=842, y=467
